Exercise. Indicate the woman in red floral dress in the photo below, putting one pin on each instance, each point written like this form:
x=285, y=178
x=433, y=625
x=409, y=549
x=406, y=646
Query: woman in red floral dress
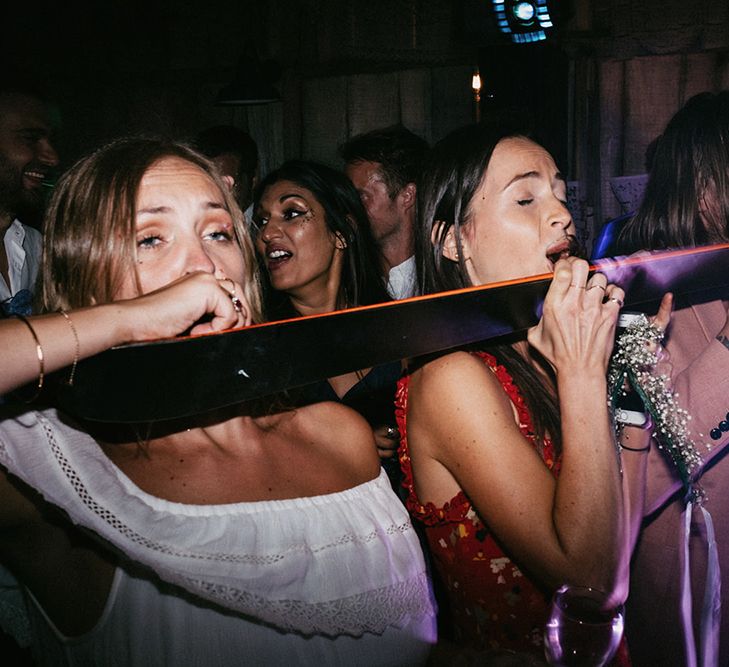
x=509, y=454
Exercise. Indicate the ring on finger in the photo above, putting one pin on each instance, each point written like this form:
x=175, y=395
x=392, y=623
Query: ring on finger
x=615, y=299
x=593, y=286
x=234, y=298
x=237, y=303
x=391, y=433
x=577, y=286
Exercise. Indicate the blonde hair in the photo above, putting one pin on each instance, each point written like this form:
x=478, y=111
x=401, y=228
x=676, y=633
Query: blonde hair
x=90, y=227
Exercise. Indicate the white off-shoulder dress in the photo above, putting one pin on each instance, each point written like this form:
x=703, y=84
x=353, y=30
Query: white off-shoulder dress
x=326, y=580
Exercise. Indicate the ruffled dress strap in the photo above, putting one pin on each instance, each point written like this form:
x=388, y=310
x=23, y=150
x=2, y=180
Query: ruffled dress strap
x=458, y=507
x=526, y=425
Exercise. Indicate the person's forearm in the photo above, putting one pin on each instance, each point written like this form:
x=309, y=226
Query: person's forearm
x=180, y=306
x=58, y=342
x=635, y=445
x=589, y=513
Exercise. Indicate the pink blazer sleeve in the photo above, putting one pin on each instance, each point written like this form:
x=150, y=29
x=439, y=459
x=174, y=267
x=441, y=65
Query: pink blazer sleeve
x=698, y=366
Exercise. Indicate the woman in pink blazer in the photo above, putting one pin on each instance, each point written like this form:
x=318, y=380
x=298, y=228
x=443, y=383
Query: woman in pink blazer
x=687, y=204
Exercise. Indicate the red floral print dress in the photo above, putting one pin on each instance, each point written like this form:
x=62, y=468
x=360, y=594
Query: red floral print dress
x=491, y=603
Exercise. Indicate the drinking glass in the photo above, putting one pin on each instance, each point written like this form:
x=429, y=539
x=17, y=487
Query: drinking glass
x=584, y=628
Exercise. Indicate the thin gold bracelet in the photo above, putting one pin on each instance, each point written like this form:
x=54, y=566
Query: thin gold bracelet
x=39, y=352
x=77, y=353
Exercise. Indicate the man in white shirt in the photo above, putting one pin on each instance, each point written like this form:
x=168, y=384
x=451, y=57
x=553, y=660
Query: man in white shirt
x=27, y=159
x=384, y=165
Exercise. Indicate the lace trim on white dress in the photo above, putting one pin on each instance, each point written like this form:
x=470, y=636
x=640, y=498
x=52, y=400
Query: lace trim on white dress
x=342, y=563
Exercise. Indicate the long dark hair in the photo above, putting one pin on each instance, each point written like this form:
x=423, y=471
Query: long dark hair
x=362, y=282
x=691, y=160
x=455, y=169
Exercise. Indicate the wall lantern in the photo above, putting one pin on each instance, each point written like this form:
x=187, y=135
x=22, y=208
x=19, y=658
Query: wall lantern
x=476, y=88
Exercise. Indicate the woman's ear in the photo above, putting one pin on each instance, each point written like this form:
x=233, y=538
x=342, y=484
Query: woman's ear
x=229, y=181
x=340, y=243
x=450, y=246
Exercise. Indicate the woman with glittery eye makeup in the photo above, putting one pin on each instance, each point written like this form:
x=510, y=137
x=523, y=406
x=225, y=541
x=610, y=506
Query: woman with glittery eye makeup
x=303, y=257
x=315, y=244
x=314, y=241
x=262, y=533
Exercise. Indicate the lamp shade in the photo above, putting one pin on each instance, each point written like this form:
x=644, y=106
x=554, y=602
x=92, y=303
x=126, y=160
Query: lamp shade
x=247, y=92
x=253, y=81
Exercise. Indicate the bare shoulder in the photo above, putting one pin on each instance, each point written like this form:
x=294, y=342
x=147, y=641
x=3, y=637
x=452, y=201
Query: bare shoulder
x=339, y=433
x=463, y=434
x=454, y=381
x=450, y=367
x=454, y=402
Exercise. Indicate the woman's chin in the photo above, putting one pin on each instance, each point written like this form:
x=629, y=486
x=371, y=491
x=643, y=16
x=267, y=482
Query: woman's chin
x=282, y=285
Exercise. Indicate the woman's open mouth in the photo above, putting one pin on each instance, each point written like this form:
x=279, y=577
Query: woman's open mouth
x=275, y=257
x=565, y=247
